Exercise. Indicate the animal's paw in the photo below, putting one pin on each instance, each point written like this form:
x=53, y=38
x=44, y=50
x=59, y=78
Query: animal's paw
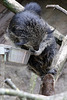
x=52, y=71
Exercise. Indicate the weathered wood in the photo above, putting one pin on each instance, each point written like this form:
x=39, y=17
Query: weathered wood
x=4, y=21
x=57, y=7
x=13, y=54
x=47, y=87
x=60, y=58
x=2, y=74
x=18, y=55
x=13, y=5
x=59, y=37
x=62, y=96
x=12, y=85
x=2, y=8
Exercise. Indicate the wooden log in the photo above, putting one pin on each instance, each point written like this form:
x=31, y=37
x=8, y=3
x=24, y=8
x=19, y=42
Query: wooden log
x=59, y=37
x=47, y=88
x=60, y=58
x=2, y=8
x=5, y=16
x=12, y=85
x=12, y=5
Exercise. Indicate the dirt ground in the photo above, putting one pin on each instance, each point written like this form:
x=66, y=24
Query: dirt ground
x=20, y=75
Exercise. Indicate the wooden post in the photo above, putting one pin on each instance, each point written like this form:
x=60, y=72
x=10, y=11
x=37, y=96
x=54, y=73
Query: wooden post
x=60, y=59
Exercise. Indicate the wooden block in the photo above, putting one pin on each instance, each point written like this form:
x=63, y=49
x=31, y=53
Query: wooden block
x=13, y=54
x=18, y=56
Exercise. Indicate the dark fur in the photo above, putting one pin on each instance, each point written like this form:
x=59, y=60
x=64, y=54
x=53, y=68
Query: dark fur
x=33, y=6
x=28, y=29
x=41, y=64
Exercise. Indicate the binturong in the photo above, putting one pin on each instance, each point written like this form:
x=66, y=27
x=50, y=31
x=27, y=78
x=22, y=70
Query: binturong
x=28, y=30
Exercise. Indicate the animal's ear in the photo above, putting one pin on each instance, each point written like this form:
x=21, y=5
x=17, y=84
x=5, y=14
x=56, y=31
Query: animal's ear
x=33, y=6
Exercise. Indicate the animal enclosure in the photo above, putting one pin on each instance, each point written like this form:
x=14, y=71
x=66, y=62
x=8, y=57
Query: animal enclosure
x=19, y=74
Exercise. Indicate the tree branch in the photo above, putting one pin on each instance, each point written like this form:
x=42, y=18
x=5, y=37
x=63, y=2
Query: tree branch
x=62, y=96
x=57, y=7
x=13, y=86
x=12, y=5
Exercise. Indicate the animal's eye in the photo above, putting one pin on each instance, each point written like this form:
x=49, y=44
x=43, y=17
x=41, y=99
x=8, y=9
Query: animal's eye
x=16, y=40
x=13, y=29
